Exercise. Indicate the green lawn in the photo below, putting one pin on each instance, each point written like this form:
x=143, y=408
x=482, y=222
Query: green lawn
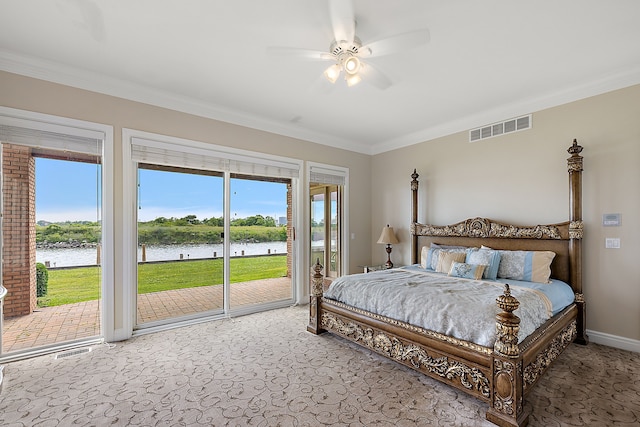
x=68, y=286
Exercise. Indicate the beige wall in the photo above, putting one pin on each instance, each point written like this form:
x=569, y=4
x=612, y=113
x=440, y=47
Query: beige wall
x=522, y=178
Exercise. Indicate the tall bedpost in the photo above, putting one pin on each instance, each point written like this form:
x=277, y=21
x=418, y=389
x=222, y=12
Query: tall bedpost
x=507, y=400
x=576, y=230
x=314, y=299
x=414, y=216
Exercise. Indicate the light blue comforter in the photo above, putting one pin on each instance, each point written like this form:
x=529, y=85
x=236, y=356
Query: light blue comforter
x=463, y=308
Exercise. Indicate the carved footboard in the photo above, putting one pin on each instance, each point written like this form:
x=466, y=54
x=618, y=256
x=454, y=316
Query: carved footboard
x=473, y=378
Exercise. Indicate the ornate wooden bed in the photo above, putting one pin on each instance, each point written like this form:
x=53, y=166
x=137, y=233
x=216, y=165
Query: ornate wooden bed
x=503, y=375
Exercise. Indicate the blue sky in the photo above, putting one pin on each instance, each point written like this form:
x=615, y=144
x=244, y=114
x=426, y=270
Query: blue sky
x=68, y=191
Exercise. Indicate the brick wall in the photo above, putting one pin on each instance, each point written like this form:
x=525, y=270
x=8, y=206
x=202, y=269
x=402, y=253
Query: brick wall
x=18, y=230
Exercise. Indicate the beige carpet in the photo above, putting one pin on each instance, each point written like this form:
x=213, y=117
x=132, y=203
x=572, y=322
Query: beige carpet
x=266, y=370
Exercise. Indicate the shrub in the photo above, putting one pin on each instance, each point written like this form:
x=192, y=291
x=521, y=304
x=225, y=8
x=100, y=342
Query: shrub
x=42, y=279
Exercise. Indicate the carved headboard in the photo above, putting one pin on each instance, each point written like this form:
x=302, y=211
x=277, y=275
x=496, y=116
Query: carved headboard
x=483, y=231
x=565, y=239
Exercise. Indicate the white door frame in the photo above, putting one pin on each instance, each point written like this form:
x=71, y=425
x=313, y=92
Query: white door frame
x=66, y=126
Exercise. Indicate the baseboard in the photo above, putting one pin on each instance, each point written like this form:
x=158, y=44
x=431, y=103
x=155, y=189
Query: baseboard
x=613, y=341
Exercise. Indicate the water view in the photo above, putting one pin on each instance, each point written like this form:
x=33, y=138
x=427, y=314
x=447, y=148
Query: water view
x=70, y=257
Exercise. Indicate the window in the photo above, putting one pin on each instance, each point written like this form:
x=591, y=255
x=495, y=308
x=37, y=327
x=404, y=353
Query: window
x=70, y=150
x=327, y=188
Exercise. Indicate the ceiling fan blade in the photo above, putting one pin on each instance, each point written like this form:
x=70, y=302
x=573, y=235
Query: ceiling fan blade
x=343, y=20
x=375, y=77
x=298, y=53
x=395, y=44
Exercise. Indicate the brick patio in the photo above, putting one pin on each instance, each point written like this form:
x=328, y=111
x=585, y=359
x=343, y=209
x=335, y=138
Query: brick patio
x=69, y=322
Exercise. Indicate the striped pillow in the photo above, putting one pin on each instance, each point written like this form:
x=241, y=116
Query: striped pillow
x=445, y=258
x=429, y=255
x=529, y=266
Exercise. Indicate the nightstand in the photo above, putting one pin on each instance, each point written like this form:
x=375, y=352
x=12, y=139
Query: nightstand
x=378, y=267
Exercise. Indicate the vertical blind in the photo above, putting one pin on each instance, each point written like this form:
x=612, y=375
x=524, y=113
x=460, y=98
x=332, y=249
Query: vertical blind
x=170, y=154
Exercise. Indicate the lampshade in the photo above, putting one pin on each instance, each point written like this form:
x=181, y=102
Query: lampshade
x=353, y=79
x=332, y=73
x=388, y=237
x=352, y=65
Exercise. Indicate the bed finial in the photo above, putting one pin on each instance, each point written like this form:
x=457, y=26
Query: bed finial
x=316, y=282
x=575, y=148
x=574, y=162
x=314, y=299
x=507, y=325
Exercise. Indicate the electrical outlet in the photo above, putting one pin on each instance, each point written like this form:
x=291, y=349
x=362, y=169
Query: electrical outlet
x=612, y=243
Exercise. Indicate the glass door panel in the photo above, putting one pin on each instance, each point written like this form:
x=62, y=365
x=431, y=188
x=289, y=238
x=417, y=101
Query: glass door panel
x=326, y=228
x=260, y=261
x=334, y=233
x=180, y=243
x=318, y=232
x=51, y=242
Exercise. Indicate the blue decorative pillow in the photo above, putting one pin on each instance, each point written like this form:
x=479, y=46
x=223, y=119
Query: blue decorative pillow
x=429, y=256
x=467, y=271
x=488, y=257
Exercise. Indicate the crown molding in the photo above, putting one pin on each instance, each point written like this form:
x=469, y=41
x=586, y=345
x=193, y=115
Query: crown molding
x=57, y=73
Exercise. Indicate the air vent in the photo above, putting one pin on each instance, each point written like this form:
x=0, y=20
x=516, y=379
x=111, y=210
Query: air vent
x=73, y=353
x=508, y=126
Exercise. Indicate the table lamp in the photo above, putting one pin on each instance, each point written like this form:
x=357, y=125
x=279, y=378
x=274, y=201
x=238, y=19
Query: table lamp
x=388, y=237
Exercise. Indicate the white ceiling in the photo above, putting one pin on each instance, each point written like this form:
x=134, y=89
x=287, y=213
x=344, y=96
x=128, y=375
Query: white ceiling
x=487, y=60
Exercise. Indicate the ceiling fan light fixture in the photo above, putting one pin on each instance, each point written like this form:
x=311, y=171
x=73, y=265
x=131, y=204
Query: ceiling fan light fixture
x=348, y=54
x=353, y=79
x=352, y=65
x=332, y=73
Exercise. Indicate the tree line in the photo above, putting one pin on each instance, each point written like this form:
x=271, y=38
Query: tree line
x=255, y=220
x=185, y=230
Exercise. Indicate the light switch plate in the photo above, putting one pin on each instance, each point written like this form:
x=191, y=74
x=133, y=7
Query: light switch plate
x=611, y=220
x=612, y=243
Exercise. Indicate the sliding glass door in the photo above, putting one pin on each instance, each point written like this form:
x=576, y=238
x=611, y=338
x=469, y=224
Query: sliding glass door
x=180, y=250
x=326, y=223
x=214, y=230
x=318, y=229
x=260, y=260
x=51, y=238
x=328, y=190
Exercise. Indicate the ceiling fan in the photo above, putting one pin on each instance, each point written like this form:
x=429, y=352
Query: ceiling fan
x=347, y=52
